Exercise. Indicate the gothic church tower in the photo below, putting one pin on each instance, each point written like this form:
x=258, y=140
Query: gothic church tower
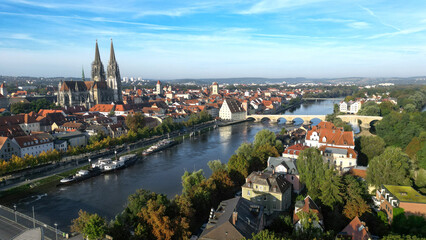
x=114, y=78
x=98, y=73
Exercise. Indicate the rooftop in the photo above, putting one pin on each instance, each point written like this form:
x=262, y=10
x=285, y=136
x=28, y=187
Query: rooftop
x=406, y=193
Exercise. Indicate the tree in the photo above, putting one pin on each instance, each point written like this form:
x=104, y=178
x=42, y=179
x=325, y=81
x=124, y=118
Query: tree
x=308, y=221
x=311, y=170
x=95, y=228
x=91, y=226
x=355, y=207
x=372, y=146
x=331, y=189
x=190, y=180
x=391, y=167
x=264, y=137
x=135, y=122
x=266, y=235
x=216, y=166
x=386, y=107
x=369, y=108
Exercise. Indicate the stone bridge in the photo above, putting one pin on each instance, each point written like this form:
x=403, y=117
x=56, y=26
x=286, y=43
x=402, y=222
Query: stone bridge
x=364, y=121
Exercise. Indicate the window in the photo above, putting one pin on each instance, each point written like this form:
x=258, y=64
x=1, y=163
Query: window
x=248, y=193
x=264, y=198
x=292, y=178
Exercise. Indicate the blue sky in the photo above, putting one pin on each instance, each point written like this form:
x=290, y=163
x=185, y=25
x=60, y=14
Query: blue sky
x=214, y=38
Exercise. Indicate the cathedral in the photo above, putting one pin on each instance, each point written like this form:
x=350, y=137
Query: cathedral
x=100, y=90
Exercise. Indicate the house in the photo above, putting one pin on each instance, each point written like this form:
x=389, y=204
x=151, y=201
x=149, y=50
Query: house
x=268, y=189
x=307, y=205
x=27, y=122
x=74, y=139
x=294, y=150
x=392, y=196
x=60, y=145
x=232, y=110
x=343, y=159
x=287, y=167
x=96, y=129
x=116, y=130
x=8, y=147
x=326, y=134
x=72, y=126
x=34, y=144
x=355, y=230
x=235, y=219
x=104, y=109
x=351, y=107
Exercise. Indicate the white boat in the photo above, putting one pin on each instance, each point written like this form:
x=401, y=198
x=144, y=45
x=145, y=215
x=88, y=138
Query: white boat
x=101, y=163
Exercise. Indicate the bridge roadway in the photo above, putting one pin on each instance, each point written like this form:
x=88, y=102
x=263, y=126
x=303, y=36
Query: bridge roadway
x=354, y=119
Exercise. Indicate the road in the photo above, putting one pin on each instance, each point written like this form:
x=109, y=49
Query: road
x=9, y=229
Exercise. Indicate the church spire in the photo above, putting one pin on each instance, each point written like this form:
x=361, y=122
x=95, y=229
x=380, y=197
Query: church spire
x=98, y=73
x=112, y=55
x=97, y=55
x=82, y=74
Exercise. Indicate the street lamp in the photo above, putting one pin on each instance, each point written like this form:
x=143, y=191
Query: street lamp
x=90, y=165
x=56, y=230
x=14, y=206
x=115, y=152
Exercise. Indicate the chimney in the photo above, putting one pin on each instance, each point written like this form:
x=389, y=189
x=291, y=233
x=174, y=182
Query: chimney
x=234, y=217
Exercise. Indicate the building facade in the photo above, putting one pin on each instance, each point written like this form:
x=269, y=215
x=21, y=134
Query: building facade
x=232, y=110
x=392, y=196
x=101, y=88
x=268, y=189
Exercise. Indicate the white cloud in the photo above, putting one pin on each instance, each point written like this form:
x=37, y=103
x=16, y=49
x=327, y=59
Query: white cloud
x=371, y=13
x=267, y=6
x=358, y=25
x=400, y=32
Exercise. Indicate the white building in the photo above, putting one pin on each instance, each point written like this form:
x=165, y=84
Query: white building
x=34, y=144
x=343, y=159
x=350, y=107
x=232, y=110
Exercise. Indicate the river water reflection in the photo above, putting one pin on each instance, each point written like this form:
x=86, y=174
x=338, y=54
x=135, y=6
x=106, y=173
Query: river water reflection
x=160, y=172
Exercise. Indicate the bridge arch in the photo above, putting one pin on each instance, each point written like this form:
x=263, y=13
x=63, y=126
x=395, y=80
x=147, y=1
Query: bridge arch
x=265, y=119
x=282, y=120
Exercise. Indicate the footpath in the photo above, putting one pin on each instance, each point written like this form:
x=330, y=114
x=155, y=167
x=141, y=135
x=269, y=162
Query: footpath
x=32, y=176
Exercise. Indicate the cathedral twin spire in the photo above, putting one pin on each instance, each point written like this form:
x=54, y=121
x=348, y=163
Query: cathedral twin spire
x=113, y=78
x=98, y=72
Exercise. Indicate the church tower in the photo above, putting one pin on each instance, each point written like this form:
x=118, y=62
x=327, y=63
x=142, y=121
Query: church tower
x=114, y=78
x=98, y=73
x=215, y=88
x=3, y=90
x=158, y=88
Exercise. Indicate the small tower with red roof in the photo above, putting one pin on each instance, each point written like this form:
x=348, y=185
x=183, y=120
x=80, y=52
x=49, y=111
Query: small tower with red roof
x=3, y=89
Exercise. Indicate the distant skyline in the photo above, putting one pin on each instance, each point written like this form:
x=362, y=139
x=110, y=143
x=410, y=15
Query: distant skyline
x=214, y=38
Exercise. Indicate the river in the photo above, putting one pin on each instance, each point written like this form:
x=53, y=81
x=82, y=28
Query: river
x=161, y=172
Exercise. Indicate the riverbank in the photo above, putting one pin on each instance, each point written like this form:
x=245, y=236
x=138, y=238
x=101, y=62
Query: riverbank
x=34, y=186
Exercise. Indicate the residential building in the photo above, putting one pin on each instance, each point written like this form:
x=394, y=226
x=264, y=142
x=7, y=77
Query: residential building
x=60, y=145
x=326, y=134
x=392, y=196
x=8, y=147
x=307, y=205
x=287, y=167
x=343, y=159
x=74, y=139
x=355, y=230
x=268, y=189
x=34, y=144
x=351, y=107
x=232, y=110
x=294, y=150
x=234, y=219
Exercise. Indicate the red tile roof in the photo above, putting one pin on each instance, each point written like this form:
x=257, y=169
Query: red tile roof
x=102, y=108
x=332, y=134
x=356, y=229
